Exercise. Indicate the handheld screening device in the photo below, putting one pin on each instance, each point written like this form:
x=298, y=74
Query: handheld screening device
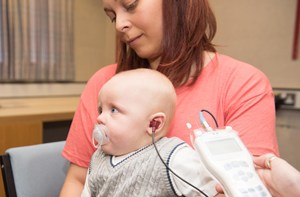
x=229, y=161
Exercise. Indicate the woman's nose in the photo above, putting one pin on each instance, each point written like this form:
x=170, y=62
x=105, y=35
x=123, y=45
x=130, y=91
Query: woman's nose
x=122, y=23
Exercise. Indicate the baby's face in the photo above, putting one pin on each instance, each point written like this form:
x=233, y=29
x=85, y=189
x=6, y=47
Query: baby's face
x=125, y=115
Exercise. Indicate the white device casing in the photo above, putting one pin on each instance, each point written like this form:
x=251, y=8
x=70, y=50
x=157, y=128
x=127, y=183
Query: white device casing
x=230, y=163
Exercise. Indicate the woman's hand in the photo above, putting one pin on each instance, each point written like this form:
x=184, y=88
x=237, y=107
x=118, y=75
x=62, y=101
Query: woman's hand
x=280, y=177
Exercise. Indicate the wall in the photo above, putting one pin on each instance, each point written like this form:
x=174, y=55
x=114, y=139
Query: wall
x=257, y=32
x=288, y=135
x=94, y=38
x=260, y=33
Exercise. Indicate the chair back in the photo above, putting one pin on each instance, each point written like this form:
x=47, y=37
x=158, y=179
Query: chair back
x=34, y=171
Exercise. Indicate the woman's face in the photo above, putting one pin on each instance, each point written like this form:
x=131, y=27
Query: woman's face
x=139, y=25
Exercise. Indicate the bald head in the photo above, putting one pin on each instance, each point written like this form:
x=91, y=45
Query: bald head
x=146, y=87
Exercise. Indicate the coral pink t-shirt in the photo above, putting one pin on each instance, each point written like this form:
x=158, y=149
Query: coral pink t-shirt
x=236, y=93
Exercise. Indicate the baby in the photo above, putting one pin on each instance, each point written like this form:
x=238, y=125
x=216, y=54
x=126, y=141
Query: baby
x=136, y=108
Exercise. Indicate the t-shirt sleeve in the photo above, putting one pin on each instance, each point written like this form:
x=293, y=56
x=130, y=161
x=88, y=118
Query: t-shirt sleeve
x=79, y=148
x=250, y=109
x=186, y=163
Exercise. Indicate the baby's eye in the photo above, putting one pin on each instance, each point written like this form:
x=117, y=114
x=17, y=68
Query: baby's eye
x=114, y=110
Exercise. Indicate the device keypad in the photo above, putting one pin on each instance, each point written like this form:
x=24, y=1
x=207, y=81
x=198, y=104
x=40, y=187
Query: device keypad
x=239, y=171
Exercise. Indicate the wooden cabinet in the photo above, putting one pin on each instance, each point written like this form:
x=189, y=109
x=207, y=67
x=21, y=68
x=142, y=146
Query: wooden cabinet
x=22, y=119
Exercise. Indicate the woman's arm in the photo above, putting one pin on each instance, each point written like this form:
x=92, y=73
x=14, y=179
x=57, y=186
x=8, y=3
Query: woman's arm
x=74, y=182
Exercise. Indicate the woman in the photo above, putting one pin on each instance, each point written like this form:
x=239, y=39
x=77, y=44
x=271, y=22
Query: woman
x=175, y=38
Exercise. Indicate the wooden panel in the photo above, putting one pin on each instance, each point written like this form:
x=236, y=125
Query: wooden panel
x=22, y=119
x=19, y=134
x=2, y=192
x=43, y=109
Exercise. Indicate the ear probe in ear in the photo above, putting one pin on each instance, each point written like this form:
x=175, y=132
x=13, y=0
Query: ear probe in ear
x=99, y=136
x=154, y=125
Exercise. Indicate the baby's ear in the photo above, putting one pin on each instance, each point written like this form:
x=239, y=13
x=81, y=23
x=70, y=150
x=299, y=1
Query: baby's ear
x=156, y=122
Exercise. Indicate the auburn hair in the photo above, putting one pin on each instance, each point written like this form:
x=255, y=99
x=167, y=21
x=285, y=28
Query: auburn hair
x=188, y=29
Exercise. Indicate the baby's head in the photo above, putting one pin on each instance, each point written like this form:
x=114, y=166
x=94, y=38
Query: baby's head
x=131, y=104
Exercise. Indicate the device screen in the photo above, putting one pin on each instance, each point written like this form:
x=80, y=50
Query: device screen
x=223, y=146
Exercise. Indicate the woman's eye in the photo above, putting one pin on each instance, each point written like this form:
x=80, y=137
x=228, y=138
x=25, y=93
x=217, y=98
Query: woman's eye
x=131, y=6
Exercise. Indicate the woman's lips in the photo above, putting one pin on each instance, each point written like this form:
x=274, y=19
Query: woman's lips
x=132, y=41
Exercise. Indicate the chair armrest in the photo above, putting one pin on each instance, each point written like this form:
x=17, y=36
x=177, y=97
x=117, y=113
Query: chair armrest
x=7, y=176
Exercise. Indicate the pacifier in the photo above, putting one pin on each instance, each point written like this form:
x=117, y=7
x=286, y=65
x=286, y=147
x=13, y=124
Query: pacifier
x=99, y=136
